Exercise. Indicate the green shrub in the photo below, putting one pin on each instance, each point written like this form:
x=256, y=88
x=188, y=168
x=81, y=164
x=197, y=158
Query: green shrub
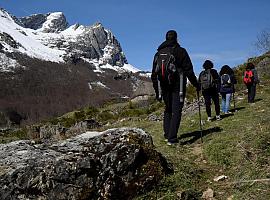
x=133, y=112
x=79, y=116
x=18, y=134
x=90, y=112
x=106, y=116
x=191, y=93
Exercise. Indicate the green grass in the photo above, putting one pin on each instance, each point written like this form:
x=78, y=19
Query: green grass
x=238, y=146
x=12, y=135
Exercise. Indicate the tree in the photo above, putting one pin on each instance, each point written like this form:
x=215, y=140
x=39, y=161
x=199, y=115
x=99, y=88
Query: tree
x=263, y=41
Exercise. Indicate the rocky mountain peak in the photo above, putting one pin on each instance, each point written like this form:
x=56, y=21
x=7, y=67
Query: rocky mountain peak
x=4, y=13
x=48, y=23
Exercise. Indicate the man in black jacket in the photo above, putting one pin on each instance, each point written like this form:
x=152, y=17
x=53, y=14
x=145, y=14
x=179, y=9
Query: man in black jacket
x=173, y=94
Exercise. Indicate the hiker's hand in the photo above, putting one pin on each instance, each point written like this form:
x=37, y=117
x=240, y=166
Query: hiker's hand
x=158, y=97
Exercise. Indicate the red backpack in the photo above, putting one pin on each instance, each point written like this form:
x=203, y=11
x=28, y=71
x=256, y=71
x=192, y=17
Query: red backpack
x=248, y=77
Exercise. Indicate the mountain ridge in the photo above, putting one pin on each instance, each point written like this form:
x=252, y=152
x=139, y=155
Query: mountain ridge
x=48, y=37
x=45, y=73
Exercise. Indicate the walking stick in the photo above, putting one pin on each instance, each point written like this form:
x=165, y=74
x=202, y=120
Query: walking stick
x=234, y=100
x=200, y=116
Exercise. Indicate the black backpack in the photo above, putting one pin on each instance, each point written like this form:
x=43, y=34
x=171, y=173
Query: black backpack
x=206, y=79
x=225, y=81
x=165, y=65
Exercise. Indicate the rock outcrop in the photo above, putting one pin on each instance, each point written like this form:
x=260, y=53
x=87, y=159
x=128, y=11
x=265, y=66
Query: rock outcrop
x=115, y=164
x=49, y=23
x=33, y=21
x=263, y=66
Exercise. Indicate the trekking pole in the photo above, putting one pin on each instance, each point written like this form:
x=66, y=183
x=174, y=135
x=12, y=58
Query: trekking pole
x=234, y=100
x=234, y=104
x=200, y=116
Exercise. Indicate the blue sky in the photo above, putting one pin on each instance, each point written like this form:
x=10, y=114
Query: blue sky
x=222, y=31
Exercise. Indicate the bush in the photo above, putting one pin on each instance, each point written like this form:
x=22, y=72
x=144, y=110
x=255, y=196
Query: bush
x=18, y=134
x=133, y=112
x=191, y=93
x=90, y=112
x=106, y=116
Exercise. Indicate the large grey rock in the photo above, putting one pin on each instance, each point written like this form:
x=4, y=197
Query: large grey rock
x=115, y=164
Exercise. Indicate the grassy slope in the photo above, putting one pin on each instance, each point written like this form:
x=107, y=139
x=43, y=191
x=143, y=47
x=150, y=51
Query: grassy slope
x=238, y=146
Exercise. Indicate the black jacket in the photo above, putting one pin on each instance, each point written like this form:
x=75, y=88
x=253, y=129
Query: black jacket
x=183, y=63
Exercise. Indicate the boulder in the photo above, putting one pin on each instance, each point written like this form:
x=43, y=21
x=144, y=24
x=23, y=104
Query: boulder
x=114, y=164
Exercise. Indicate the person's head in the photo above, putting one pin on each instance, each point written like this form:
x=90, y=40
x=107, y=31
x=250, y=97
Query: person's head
x=250, y=66
x=208, y=64
x=225, y=69
x=171, y=35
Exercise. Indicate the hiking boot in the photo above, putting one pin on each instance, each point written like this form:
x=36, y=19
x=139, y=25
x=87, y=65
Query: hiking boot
x=209, y=119
x=218, y=117
x=172, y=143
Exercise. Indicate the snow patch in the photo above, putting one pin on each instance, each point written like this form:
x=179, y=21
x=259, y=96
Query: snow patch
x=146, y=74
x=130, y=68
x=125, y=68
x=74, y=30
x=99, y=84
x=7, y=64
x=90, y=86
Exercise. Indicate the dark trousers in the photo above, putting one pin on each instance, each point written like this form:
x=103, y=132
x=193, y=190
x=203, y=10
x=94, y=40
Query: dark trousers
x=208, y=96
x=251, y=93
x=172, y=115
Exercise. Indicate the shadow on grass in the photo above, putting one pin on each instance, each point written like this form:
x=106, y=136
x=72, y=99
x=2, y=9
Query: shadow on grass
x=195, y=135
x=259, y=99
x=226, y=115
x=237, y=109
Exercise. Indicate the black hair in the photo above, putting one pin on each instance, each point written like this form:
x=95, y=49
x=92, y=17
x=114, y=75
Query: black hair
x=250, y=66
x=208, y=64
x=171, y=35
x=225, y=69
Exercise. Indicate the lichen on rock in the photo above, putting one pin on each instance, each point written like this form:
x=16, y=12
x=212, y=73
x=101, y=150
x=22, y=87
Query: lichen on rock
x=114, y=164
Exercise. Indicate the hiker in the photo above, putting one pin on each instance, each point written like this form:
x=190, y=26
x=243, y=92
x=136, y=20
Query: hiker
x=227, y=81
x=171, y=68
x=251, y=79
x=209, y=83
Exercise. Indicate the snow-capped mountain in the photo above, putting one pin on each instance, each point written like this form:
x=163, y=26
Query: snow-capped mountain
x=48, y=67
x=48, y=37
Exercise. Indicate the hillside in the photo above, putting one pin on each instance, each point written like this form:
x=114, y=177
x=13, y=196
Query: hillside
x=236, y=147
